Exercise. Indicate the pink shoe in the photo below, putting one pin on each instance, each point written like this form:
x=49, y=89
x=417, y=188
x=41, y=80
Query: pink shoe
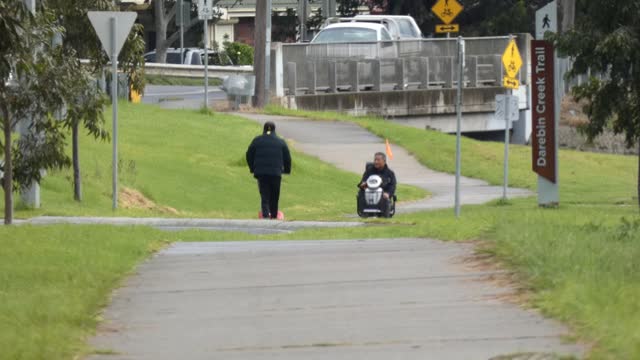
x=280, y=215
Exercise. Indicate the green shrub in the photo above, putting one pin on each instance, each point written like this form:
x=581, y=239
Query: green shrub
x=240, y=54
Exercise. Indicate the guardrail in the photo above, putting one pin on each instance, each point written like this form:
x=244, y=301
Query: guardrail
x=195, y=71
x=389, y=74
x=191, y=71
x=381, y=66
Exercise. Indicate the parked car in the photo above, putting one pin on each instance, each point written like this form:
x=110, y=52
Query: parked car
x=405, y=26
x=399, y=27
x=353, y=40
x=349, y=32
x=191, y=56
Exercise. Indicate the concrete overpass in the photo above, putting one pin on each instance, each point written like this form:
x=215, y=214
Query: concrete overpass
x=413, y=82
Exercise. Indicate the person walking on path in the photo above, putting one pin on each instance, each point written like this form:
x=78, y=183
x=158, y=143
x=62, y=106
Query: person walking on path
x=268, y=158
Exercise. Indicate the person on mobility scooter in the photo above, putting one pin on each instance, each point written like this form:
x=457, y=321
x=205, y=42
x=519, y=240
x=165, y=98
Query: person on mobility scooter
x=377, y=189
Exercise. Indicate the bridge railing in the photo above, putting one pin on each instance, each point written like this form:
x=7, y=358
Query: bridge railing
x=380, y=66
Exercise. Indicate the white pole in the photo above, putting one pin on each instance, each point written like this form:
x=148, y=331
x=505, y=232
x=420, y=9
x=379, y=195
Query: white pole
x=505, y=181
x=114, y=104
x=181, y=14
x=206, y=64
x=459, y=122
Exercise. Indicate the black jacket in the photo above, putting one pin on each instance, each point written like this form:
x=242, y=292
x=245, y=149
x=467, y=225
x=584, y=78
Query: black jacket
x=269, y=155
x=387, y=175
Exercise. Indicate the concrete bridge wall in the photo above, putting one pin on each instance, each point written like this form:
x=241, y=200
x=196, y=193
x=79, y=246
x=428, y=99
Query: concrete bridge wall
x=413, y=82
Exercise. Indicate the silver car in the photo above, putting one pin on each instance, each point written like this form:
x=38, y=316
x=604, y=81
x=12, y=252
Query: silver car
x=353, y=40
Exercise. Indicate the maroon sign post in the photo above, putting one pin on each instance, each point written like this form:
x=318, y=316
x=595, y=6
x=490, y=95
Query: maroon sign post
x=544, y=117
x=543, y=96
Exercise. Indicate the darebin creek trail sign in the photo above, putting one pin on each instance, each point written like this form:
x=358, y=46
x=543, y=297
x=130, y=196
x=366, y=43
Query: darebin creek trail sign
x=543, y=96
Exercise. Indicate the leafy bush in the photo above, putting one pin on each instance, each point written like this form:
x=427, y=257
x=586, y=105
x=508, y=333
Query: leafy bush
x=240, y=54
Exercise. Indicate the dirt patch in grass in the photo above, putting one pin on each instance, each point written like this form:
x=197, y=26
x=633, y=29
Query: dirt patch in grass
x=496, y=274
x=134, y=199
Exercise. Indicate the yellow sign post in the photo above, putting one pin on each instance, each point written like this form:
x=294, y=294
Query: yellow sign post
x=511, y=59
x=447, y=10
x=447, y=28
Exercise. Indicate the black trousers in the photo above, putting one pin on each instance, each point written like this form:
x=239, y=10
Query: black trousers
x=269, y=187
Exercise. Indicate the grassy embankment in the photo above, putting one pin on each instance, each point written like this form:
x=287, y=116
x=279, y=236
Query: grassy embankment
x=181, y=81
x=180, y=163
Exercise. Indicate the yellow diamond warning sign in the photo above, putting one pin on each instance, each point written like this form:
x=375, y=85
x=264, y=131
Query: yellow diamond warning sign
x=511, y=59
x=447, y=10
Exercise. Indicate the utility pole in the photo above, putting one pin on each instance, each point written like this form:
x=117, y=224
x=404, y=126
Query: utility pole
x=181, y=17
x=303, y=14
x=568, y=8
x=261, y=63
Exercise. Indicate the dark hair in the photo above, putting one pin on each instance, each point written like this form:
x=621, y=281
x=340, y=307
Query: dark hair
x=384, y=157
x=269, y=126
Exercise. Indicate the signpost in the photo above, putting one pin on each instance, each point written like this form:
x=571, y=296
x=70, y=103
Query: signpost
x=461, y=53
x=447, y=10
x=512, y=62
x=112, y=28
x=545, y=107
x=183, y=18
x=205, y=12
x=507, y=109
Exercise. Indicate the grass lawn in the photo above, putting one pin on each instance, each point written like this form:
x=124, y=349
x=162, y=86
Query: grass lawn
x=54, y=280
x=173, y=80
x=580, y=261
x=184, y=163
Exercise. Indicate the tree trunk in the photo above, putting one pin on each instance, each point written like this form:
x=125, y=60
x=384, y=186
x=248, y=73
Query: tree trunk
x=161, y=31
x=162, y=20
x=77, y=179
x=8, y=171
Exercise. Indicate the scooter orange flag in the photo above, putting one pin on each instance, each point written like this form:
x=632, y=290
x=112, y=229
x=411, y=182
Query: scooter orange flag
x=389, y=153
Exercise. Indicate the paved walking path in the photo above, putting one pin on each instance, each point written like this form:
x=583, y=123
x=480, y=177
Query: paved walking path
x=356, y=299
x=349, y=147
